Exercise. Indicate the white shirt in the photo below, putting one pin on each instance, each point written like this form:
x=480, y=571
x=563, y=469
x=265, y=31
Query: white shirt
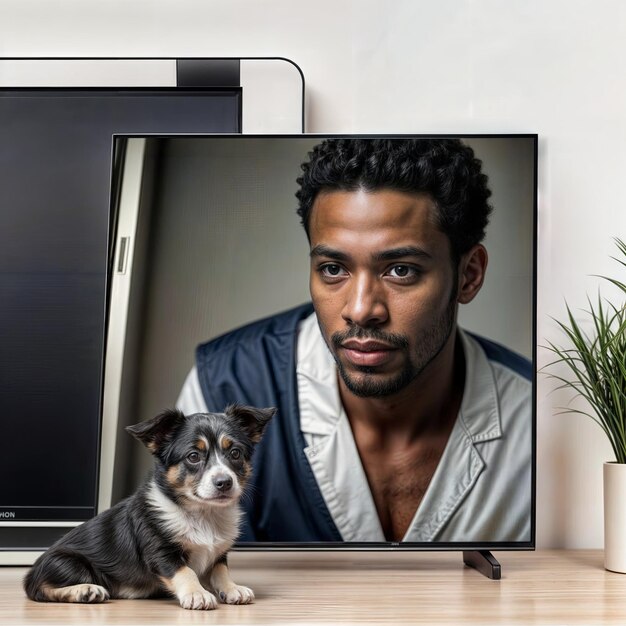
x=481, y=489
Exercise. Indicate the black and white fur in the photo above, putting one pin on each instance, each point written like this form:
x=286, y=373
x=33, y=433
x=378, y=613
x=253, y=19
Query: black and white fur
x=171, y=537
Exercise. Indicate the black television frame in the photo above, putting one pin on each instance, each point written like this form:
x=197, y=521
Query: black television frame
x=200, y=75
x=476, y=554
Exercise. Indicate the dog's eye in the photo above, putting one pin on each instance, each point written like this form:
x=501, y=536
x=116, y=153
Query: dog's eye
x=194, y=457
x=235, y=454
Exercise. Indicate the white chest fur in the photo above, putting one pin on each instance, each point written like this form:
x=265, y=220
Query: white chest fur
x=204, y=532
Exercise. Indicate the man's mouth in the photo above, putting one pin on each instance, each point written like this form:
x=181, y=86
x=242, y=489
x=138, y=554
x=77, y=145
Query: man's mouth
x=367, y=352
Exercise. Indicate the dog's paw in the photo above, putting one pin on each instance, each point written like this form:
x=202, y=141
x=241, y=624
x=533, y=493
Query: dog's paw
x=198, y=600
x=88, y=594
x=237, y=595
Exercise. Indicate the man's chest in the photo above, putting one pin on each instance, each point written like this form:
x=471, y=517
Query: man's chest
x=398, y=482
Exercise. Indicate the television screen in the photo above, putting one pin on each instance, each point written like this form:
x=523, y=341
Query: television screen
x=55, y=179
x=378, y=291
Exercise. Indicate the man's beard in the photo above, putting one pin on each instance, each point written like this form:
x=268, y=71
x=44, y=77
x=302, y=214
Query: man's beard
x=428, y=345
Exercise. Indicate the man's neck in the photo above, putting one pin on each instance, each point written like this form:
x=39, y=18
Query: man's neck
x=427, y=406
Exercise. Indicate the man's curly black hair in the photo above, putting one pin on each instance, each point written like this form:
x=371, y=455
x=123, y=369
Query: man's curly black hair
x=445, y=169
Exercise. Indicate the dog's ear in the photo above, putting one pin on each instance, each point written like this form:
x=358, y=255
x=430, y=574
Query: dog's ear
x=252, y=420
x=153, y=433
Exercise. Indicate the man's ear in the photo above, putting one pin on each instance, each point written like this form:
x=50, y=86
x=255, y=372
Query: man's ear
x=153, y=433
x=472, y=270
x=252, y=420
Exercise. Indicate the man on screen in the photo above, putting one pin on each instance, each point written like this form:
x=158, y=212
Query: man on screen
x=393, y=423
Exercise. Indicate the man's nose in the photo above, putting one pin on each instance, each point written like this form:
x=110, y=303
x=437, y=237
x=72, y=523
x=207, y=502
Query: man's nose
x=365, y=302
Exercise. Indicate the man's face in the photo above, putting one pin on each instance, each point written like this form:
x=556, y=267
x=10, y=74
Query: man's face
x=382, y=284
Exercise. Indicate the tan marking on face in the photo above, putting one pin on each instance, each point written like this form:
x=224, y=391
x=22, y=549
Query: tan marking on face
x=247, y=470
x=226, y=442
x=189, y=480
x=173, y=475
x=201, y=444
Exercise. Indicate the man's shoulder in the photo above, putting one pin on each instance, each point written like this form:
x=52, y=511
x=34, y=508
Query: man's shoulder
x=499, y=354
x=280, y=324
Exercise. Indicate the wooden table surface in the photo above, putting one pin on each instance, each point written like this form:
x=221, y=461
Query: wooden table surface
x=543, y=587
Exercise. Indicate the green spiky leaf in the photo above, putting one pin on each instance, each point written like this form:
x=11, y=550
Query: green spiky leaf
x=597, y=362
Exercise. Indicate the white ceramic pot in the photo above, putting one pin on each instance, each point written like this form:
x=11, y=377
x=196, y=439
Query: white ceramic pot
x=615, y=517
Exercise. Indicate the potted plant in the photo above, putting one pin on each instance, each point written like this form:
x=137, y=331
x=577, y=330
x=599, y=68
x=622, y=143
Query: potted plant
x=597, y=364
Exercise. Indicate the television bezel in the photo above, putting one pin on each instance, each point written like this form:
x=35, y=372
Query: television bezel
x=400, y=545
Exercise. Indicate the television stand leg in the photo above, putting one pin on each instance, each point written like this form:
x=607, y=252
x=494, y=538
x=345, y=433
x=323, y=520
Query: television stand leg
x=484, y=562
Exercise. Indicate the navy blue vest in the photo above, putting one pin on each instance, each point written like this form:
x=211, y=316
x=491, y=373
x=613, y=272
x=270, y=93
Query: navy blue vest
x=255, y=365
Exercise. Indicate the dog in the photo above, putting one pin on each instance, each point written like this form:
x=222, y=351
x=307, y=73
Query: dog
x=172, y=536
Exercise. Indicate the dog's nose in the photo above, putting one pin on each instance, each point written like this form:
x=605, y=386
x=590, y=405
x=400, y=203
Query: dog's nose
x=223, y=483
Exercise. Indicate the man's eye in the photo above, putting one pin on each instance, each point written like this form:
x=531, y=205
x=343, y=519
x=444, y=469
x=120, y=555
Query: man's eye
x=194, y=457
x=332, y=270
x=402, y=271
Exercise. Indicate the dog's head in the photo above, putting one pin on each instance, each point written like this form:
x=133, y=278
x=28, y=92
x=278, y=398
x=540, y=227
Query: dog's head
x=204, y=457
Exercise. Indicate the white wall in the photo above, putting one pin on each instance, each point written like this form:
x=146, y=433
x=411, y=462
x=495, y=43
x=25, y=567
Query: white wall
x=466, y=66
